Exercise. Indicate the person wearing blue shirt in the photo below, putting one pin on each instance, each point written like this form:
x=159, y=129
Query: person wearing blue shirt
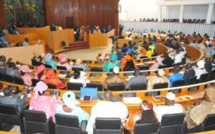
x=70, y=107
x=130, y=49
x=176, y=76
x=124, y=48
x=49, y=61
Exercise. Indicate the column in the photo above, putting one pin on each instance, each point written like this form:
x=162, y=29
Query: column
x=159, y=13
x=181, y=13
x=210, y=12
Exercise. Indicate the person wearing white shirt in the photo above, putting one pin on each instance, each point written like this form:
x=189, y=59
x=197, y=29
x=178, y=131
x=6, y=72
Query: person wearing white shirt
x=79, y=77
x=178, y=57
x=169, y=108
x=200, y=69
x=107, y=109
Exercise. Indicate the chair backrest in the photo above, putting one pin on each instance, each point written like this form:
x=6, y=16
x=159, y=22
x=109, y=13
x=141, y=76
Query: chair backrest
x=61, y=67
x=1, y=77
x=204, y=77
x=97, y=69
x=140, y=86
x=192, y=80
x=36, y=122
x=147, y=128
x=74, y=86
x=48, y=66
x=160, y=85
x=212, y=74
x=34, y=81
x=143, y=67
x=18, y=80
x=107, y=126
x=209, y=123
x=8, y=78
x=66, y=124
x=116, y=87
x=184, y=60
x=96, y=85
x=178, y=83
x=172, y=124
x=35, y=63
x=51, y=86
x=77, y=69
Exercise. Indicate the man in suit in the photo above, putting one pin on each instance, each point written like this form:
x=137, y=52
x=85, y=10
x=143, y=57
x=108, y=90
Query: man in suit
x=14, y=99
x=189, y=72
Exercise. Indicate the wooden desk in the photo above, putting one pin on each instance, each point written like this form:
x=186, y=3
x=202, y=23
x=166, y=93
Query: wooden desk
x=3, y=132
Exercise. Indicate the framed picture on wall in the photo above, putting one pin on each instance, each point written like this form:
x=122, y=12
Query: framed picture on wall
x=24, y=17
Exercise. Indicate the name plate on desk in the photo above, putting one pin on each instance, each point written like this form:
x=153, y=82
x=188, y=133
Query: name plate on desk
x=209, y=85
x=193, y=88
x=95, y=74
x=175, y=91
x=128, y=95
x=153, y=93
x=132, y=100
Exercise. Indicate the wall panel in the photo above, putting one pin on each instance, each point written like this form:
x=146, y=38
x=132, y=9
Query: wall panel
x=2, y=15
x=85, y=12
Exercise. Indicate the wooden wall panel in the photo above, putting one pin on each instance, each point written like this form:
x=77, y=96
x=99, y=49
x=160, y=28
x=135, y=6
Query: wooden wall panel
x=2, y=15
x=85, y=12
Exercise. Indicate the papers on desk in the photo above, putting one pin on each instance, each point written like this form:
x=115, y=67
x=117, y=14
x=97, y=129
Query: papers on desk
x=132, y=100
x=62, y=75
x=31, y=70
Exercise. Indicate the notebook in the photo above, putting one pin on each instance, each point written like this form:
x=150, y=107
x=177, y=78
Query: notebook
x=89, y=91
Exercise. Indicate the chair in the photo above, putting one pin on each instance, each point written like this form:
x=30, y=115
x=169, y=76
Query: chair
x=209, y=123
x=99, y=62
x=35, y=63
x=96, y=69
x=87, y=61
x=172, y=124
x=74, y=86
x=95, y=85
x=67, y=124
x=48, y=66
x=116, y=87
x=8, y=78
x=1, y=77
x=51, y=86
x=143, y=67
x=178, y=83
x=148, y=128
x=192, y=80
x=141, y=86
x=36, y=122
x=77, y=68
x=9, y=115
x=107, y=126
x=34, y=82
x=61, y=68
x=204, y=77
x=160, y=85
x=212, y=74
x=183, y=60
x=18, y=80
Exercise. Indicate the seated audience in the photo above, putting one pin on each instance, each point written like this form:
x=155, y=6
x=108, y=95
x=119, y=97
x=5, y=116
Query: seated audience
x=159, y=78
x=112, y=63
x=137, y=79
x=64, y=62
x=37, y=57
x=130, y=49
x=197, y=113
x=25, y=43
x=124, y=48
x=2, y=39
x=167, y=60
x=107, y=109
x=144, y=115
x=178, y=57
x=51, y=78
x=12, y=70
x=49, y=61
x=119, y=55
x=169, y=108
x=158, y=62
x=27, y=78
x=79, y=77
x=19, y=99
x=40, y=73
x=3, y=59
x=70, y=107
x=208, y=64
x=79, y=65
x=188, y=73
x=150, y=52
x=43, y=101
x=2, y=69
x=129, y=65
x=200, y=69
x=104, y=55
x=115, y=78
x=176, y=76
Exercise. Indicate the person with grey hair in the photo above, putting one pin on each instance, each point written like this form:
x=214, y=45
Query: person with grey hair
x=2, y=69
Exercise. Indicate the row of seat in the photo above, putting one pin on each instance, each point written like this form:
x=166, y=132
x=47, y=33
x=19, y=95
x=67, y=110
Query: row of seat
x=36, y=122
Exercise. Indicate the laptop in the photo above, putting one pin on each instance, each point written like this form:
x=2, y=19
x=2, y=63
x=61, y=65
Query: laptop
x=89, y=91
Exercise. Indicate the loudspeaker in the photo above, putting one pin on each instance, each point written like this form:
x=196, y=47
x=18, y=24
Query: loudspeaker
x=69, y=22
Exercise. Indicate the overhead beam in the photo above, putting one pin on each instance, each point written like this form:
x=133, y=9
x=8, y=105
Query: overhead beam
x=185, y=2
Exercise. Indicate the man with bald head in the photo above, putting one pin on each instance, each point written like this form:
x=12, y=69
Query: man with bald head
x=107, y=109
x=176, y=76
x=189, y=72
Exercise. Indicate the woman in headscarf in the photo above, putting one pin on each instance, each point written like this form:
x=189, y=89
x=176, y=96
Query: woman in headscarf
x=103, y=55
x=79, y=65
x=112, y=63
x=144, y=115
x=64, y=62
x=52, y=79
x=25, y=75
x=200, y=69
x=70, y=107
x=49, y=61
x=150, y=52
x=40, y=73
x=158, y=61
x=79, y=77
x=42, y=101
